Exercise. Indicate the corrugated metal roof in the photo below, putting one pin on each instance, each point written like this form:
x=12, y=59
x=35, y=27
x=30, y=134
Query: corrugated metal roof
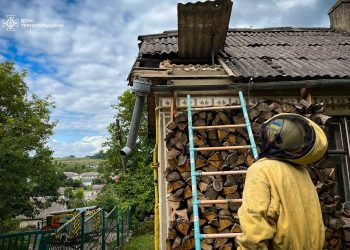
x=202, y=27
x=298, y=53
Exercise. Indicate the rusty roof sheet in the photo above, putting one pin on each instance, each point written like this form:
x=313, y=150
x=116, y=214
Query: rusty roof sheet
x=202, y=27
x=272, y=53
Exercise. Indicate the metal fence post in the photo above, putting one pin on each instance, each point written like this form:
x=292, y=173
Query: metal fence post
x=43, y=244
x=117, y=225
x=103, y=229
x=82, y=231
x=122, y=229
x=129, y=219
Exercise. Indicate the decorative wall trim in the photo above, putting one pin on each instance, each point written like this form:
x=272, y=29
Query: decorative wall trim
x=329, y=101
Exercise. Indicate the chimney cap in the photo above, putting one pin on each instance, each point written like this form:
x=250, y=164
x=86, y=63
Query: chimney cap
x=336, y=5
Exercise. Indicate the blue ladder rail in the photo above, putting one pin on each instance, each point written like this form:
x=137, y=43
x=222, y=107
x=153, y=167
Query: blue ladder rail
x=196, y=203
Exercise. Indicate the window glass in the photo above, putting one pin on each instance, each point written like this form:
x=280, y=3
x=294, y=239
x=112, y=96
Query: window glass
x=342, y=180
x=334, y=137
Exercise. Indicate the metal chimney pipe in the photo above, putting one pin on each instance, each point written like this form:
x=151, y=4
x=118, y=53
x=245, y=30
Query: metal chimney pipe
x=141, y=88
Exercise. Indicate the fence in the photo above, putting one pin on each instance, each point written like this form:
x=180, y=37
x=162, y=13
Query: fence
x=24, y=240
x=97, y=230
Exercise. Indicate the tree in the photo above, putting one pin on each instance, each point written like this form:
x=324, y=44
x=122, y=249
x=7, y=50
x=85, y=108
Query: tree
x=135, y=185
x=97, y=181
x=68, y=192
x=78, y=198
x=77, y=183
x=107, y=198
x=26, y=167
x=99, y=155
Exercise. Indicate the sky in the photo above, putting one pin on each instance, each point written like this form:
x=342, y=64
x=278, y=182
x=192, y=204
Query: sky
x=82, y=60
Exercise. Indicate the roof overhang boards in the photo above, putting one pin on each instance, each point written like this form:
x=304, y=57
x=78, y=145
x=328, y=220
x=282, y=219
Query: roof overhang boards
x=202, y=28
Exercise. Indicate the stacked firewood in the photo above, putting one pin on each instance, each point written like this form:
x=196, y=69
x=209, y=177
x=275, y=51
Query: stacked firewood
x=222, y=218
x=346, y=217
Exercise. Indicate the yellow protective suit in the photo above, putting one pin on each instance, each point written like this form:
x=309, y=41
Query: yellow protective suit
x=280, y=208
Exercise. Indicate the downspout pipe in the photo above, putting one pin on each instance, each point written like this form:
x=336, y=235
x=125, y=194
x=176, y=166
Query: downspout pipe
x=141, y=88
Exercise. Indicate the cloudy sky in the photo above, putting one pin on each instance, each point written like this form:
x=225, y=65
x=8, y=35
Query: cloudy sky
x=83, y=63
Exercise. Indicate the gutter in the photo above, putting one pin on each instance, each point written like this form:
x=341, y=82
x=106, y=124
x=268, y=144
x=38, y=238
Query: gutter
x=320, y=83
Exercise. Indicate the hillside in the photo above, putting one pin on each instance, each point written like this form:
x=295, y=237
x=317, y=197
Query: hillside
x=78, y=165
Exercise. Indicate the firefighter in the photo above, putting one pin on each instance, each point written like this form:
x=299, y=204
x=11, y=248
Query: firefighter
x=280, y=208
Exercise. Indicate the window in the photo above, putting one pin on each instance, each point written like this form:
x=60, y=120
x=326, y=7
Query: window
x=338, y=150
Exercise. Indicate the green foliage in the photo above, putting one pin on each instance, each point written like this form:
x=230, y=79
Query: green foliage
x=136, y=190
x=107, y=198
x=75, y=197
x=69, y=182
x=142, y=228
x=99, y=155
x=145, y=242
x=68, y=192
x=97, y=181
x=135, y=185
x=26, y=168
x=9, y=225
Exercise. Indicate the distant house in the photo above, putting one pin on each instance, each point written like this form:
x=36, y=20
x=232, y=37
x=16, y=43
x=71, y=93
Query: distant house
x=89, y=195
x=26, y=222
x=93, y=165
x=92, y=195
x=60, y=190
x=72, y=175
x=97, y=188
x=88, y=177
x=115, y=178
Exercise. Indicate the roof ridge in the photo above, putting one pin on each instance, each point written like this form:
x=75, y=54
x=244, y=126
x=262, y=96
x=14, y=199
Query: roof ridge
x=279, y=29
x=174, y=33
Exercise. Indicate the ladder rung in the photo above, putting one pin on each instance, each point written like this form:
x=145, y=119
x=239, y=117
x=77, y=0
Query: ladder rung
x=221, y=235
x=222, y=148
x=220, y=126
x=233, y=172
x=206, y=202
x=217, y=108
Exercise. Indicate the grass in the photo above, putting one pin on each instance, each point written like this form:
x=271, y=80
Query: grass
x=144, y=242
x=142, y=236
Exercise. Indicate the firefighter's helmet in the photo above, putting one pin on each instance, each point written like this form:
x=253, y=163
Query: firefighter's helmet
x=293, y=138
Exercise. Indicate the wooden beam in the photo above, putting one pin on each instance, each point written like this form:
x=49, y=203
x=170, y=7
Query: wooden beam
x=150, y=68
x=305, y=94
x=173, y=105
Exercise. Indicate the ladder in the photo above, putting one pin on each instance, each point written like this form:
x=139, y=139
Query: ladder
x=196, y=202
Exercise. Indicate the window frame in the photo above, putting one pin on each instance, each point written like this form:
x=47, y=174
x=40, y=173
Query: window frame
x=344, y=124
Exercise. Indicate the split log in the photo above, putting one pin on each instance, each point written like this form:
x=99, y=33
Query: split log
x=187, y=192
x=225, y=222
x=215, y=160
x=211, y=194
x=229, y=190
x=182, y=226
x=217, y=184
x=177, y=242
x=187, y=243
x=220, y=241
